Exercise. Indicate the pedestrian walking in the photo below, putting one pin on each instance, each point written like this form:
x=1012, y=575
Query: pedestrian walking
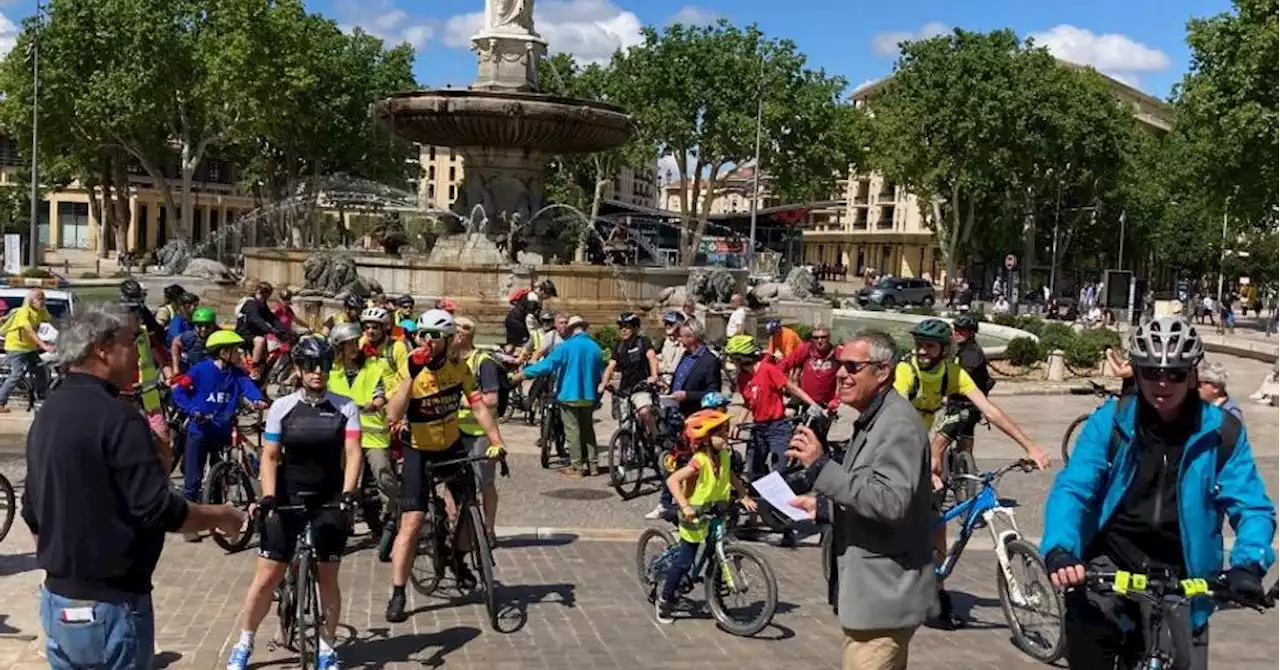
x=879, y=501
x=577, y=365
x=99, y=503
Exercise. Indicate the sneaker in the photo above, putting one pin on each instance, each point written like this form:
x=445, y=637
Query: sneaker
x=655, y=513
x=662, y=611
x=328, y=660
x=395, y=608
x=788, y=540
x=239, y=659
x=947, y=619
x=466, y=578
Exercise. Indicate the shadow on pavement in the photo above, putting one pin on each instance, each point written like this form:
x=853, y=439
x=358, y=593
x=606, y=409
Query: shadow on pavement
x=376, y=649
x=514, y=602
x=166, y=659
x=964, y=604
x=17, y=564
x=531, y=540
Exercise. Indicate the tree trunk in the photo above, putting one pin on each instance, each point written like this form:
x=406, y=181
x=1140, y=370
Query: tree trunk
x=953, y=239
x=120, y=177
x=100, y=184
x=1029, y=241
x=162, y=185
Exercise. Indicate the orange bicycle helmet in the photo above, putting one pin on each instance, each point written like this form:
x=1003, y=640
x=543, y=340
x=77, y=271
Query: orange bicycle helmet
x=704, y=422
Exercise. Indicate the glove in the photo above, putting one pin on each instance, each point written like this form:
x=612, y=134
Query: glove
x=1058, y=559
x=1243, y=583
x=495, y=451
x=350, y=499
x=267, y=505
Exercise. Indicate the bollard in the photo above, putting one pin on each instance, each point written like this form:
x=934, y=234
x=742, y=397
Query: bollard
x=1057, y=366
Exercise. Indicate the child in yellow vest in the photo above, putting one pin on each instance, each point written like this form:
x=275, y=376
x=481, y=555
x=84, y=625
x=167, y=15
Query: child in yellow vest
x=707, y=479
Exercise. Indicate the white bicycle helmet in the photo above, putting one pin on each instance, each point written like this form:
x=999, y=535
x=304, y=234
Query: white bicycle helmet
x=1167, y=342
x=438, y=321
x=375, y=314
x=344, y=332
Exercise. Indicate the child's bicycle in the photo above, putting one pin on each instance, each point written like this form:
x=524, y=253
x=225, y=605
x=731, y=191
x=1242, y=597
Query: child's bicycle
x=1024, y=590
x=728, y=570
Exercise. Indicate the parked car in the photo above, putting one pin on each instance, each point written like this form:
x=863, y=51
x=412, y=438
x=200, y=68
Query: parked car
x=59, y=303
x=894, y=291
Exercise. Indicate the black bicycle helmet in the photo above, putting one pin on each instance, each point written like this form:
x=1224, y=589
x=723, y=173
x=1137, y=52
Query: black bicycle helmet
x=547, y=317
x=548, y=288
x=353, y=302
x=629, y=319
x=405, y=301
x=313, y=349
x=173, y=292
x=188, y=299
x=932, y=329
x=672, y=318
x=966, y=322
x=131, y=293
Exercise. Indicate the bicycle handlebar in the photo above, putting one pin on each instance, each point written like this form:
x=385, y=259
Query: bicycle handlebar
x=503, y=469
x=1024, y=464
x=1162, y=587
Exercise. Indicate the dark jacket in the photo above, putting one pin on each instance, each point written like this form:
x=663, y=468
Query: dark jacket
x=702, y=378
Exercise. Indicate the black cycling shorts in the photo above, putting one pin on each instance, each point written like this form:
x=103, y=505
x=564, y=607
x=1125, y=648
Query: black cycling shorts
x=959, y=421
x=280, y=532
x=413, y=476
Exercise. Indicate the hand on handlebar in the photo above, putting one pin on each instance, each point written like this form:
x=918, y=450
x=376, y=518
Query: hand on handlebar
x=1064, y=568
x=749, y=504
x=1243, y=585
x=1038, y=457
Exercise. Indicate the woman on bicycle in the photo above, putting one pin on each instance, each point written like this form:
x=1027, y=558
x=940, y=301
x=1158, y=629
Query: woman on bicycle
x=309, y=435
x=711, y=471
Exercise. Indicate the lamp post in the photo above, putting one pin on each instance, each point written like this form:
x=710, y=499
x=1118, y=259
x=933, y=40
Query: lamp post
x=34, y=239
x=755, y=188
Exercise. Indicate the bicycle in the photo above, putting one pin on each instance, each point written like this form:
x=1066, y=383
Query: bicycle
x=436, y=545
x=298, y=596
x=1103, y=394
x=550, y=432
x=718, y=565
x=26, y=386
x=958, y=462
x=630, y=450
x=1167, y=647
x=236, y=472
x=8, y=506
x=1032, y=590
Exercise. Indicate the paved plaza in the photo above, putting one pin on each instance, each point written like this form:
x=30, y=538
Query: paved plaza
x=569, y=593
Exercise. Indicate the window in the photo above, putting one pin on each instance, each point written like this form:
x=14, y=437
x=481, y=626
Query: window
x=452, y=155
x=432, y=153
x=431, y=173
x=453, y=192
x=431, y=192
x=453, y=173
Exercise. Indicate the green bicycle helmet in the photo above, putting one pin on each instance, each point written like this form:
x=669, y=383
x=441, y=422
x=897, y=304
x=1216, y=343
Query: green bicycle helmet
x=204, y=315
x=932, y=329
x=223, y=338
x=741, y=345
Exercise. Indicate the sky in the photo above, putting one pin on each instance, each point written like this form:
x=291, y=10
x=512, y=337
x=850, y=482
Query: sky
x=1140, y=42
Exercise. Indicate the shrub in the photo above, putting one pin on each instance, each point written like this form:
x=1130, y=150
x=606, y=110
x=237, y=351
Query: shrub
x=1104, y=338
x=921, y=310
x=1022, y=351
x=89, y=275
x=1055, y=336
x=873, y=307
x=1082, y=352
x=1029, y=323
x=1005, y=320
x=37, y=273
x=606, y=337
x=120, y=274
x=804, y=330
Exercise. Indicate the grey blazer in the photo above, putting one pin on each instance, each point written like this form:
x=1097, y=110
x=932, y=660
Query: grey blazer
x=882, y=516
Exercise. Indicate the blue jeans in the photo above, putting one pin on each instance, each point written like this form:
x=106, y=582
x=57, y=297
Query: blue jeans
x=90, y=634
x=19, y=363
x=199, y=448
x=767, y=439
x=685, y=554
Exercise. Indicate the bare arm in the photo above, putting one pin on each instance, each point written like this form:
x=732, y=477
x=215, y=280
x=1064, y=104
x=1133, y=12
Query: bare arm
x=653, y=364
x=399, y=401
x=1001, y=420
x=354, y=466
x=608, y=373
x=484, y=417
x=270, y=466
x=175, y=352
x=675, y=484
x=797, y=392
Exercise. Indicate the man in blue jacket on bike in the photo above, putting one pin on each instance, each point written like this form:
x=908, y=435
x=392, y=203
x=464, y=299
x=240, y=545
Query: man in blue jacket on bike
x=578, y=365
x=1149, y=481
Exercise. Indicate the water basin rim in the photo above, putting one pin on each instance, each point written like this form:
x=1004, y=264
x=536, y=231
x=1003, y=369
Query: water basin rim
x=498, y=96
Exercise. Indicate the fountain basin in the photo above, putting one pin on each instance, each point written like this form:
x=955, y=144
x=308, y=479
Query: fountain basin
x=533, y=122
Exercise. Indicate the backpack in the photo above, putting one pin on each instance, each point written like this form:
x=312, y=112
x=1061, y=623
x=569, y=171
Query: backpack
x=1228, y=436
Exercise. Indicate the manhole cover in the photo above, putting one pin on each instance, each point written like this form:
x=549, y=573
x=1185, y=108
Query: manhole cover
x=578, y=494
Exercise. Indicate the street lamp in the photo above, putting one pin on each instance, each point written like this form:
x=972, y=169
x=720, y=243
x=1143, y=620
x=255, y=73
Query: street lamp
x=34, y=240
x=755, y=189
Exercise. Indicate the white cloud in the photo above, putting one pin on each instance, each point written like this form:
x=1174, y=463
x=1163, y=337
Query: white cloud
x=384, y=20
x=590, y=30
x=693, y=15
x=886, y=43
x=8, y=35
x=1117, y=55
x=864, y=84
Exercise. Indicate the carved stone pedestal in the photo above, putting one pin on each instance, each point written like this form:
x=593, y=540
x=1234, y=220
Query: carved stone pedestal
x=508, y=62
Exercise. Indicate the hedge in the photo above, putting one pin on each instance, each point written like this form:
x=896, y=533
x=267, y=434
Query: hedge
x=1022, y=351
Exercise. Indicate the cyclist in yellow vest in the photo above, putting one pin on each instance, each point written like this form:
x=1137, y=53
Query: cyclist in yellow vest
x=146, y=393
x=23, y=346
x=367, y=380
x=711, y=470
x=488, y=376
x=377, y=341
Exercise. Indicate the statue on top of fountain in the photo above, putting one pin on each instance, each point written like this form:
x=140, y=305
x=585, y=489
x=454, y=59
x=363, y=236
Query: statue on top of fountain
x=508, y=17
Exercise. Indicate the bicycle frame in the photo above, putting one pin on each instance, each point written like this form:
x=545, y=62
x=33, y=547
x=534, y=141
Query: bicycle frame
x=984, y=507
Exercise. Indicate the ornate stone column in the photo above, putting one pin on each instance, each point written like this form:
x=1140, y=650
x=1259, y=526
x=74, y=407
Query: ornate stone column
x=508, y=62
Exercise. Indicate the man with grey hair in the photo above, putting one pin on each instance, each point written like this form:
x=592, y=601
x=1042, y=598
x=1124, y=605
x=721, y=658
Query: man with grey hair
x=98, y=502
x=1212, y=382
x=577, y=367
x=880, y=502
x=698, y=372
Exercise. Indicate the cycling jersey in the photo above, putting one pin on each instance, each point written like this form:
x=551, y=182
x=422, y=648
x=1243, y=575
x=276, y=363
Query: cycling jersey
x=394, y=352
x=924, y=387
x=434, y=401
x=312, y=437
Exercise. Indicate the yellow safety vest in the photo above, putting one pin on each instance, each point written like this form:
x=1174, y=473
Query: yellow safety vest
x=373, y=425
x=714, y=485
x=466, y=420
x=148, y=374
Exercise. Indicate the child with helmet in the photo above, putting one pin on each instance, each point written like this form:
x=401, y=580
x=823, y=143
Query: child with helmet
x=707, y=479
x=188, y=348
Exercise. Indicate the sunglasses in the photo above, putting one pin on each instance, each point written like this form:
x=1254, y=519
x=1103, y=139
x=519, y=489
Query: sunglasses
x=854, y=367
x=1156, y=374
x=430, y=335
x=315, y=364
x=821, y=337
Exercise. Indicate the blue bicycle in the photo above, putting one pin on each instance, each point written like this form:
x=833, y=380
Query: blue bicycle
x=1032, y=607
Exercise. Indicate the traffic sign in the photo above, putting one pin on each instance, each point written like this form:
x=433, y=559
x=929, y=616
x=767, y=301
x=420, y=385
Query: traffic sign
x=1010, y=262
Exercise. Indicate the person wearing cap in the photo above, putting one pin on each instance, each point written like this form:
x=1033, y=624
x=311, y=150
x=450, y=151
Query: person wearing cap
x=577, y=366
x=516, y=324
x=448, y=305
x=1212, y=384
x=404, y=308
x=488, y=376
x=211, y=396
x=1152, y=477
x=634, y=358
x=23, y=346
x=783, y=340
x=352, y=305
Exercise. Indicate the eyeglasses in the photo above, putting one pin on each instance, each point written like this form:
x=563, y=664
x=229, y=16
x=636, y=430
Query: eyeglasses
x=821, y=337
x=430, y=335
x=315, y=364
x=1158, y=374
x=854, y=367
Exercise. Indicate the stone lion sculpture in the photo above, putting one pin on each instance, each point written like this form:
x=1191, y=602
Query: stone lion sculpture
x=333, y=274
x=799, y=286
x=707, y=286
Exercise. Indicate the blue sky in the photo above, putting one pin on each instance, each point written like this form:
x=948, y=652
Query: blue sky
x=1138, y=41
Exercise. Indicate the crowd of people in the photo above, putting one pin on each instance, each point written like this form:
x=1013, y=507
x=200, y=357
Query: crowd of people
x=378, y=380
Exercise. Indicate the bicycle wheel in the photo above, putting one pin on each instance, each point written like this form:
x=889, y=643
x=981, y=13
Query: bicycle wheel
x=286, y=608
x=742, y=592
x=307, y=620
x=547, y=437
x=1069, y=436
x=651, y=545
x=625, y=466
x=228, y=483
x=1035, y=619
x=8, y=506
x=482, y=561
x=962, y=463
x=430, y=555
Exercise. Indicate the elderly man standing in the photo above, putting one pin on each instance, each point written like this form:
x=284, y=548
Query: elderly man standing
x=23, y=346
x=99, y=504
x=577, y=365
x=880, y=500
x=698, y=372
x=737, y=318
x=1212, y=379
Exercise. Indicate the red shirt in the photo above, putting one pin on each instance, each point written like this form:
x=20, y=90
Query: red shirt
x=284, y=313
x=762, y=391
x=817, y=372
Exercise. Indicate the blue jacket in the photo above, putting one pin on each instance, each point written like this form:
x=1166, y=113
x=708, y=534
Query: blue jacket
x=1086, y=494
x=578, y=364
x=216, y=393
x=177, y=326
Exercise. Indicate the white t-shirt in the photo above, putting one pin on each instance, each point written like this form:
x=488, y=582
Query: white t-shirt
x=737, y=320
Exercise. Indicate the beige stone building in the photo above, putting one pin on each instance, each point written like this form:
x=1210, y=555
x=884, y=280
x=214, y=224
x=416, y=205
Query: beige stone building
x=733, y=197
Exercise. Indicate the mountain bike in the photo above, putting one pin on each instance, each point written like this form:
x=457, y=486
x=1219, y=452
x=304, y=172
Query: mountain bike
x=231, y=480
x=630, y=449
x=1021, y=578
x=8, y=506
x=298, y=596
x=1161, y=594
x=436, y=545
x=721, y=565
x=1103, y=394
x=550, y=430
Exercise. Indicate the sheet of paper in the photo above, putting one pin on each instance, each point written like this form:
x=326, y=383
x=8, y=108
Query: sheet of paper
x=775, y=489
